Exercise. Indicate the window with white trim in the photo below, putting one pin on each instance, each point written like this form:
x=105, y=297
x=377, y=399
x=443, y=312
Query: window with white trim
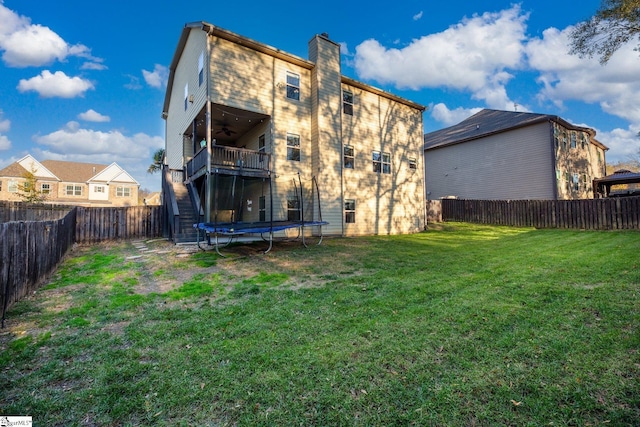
x=381, y=162
x=123, y=192
x=349, y=211
x=293, y=208
x=413, y=163
x=98, y=189
x=293, y=86
x=347, y=102
x=262, y=208
x=293, y=147
x=349, y=157
x=73, y=190
x=574, y=140
x=201, y=69
x=45, y=188
x=12, y=186
x=576, y=182
x=186, y=96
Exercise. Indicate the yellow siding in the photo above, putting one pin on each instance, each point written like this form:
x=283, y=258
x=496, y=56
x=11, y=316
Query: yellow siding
x=186, y=73
x=385, y=203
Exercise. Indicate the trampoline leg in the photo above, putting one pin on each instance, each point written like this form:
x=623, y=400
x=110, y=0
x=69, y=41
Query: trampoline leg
x=218, y=246
x=270, y=242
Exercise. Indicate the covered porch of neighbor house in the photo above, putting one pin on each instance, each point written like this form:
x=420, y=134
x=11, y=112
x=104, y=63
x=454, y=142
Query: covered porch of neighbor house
x=621, y=183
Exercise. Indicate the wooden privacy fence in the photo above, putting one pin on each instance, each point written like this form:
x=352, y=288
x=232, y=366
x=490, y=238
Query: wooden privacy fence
x=29, y=251
x=20, y=211
x=99, y=224
x=594, y=214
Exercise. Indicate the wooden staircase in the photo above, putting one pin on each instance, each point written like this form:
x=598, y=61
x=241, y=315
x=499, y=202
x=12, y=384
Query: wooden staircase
x=186, y=233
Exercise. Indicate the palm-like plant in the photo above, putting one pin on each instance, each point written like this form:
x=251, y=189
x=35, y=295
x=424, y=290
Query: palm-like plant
x=158, y=158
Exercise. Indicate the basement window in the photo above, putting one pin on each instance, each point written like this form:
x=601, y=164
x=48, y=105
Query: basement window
x=293, y=86
x=350, y=211
x=293, y=208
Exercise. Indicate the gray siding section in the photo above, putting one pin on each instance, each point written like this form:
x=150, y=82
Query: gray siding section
x=513, y=165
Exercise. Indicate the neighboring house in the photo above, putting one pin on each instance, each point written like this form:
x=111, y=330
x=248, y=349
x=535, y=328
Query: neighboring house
x=72, y=183
x=238, y=111
x=505, y=155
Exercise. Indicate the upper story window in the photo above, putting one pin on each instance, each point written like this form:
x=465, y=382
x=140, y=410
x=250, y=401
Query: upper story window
x=73, y=190
x=293, y=147
x=293, y=86
x=347, y=102
x=98, y=189
x=45, y=188
x=0, y=185
x=583, y=140
x=201, y=69
x=574, y=140
x=261, y=144
x=123, y=192
x=349, y=158
x=186, y=96
x=12, y=186
x=381, y=162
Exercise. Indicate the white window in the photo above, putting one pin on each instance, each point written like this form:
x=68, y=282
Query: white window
x=73, y=190
x=576, y=182
x=381, y=162
x=413, y=164
x=347, y=102
x=349, y=211
x=262, y=208
x=123, y=192
x=293, y=147
x=349, y=157
x=293, y=208
x=186, y=96
x=45, y=188
x=293, y=86
x=201, y=69
x=574, y=140
x=12, y=187
x=98, y=189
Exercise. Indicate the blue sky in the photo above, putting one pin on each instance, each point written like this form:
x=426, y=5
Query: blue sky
x=85, y=81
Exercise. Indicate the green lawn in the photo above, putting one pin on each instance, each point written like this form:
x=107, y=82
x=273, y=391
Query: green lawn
x=462, y=325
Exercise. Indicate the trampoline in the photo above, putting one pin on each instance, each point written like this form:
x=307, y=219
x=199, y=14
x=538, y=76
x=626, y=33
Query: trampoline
x=234, y=229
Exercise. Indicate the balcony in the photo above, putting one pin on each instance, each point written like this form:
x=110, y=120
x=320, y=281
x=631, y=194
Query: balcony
x=230, y=161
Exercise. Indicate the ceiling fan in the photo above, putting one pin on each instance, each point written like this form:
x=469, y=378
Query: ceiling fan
x=225, y=130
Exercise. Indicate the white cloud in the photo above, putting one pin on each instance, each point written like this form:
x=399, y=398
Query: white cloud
x=417, y=16
x=158, y=77
x=623, y=143
x=444, y=115
x=57, y=84
x=93, y=116
x=93, y=66
x=26, y=44
x=5, y=143
x=5, y=125
x=344, y=49
x=473, y=55
x=615, y=86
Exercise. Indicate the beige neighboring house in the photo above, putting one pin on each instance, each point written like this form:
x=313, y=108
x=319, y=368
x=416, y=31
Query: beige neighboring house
x=237, y=110
x=510, y=155
x=71, y=183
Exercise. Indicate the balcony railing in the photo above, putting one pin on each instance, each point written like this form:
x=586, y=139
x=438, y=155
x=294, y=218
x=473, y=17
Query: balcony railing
x=230, y=160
